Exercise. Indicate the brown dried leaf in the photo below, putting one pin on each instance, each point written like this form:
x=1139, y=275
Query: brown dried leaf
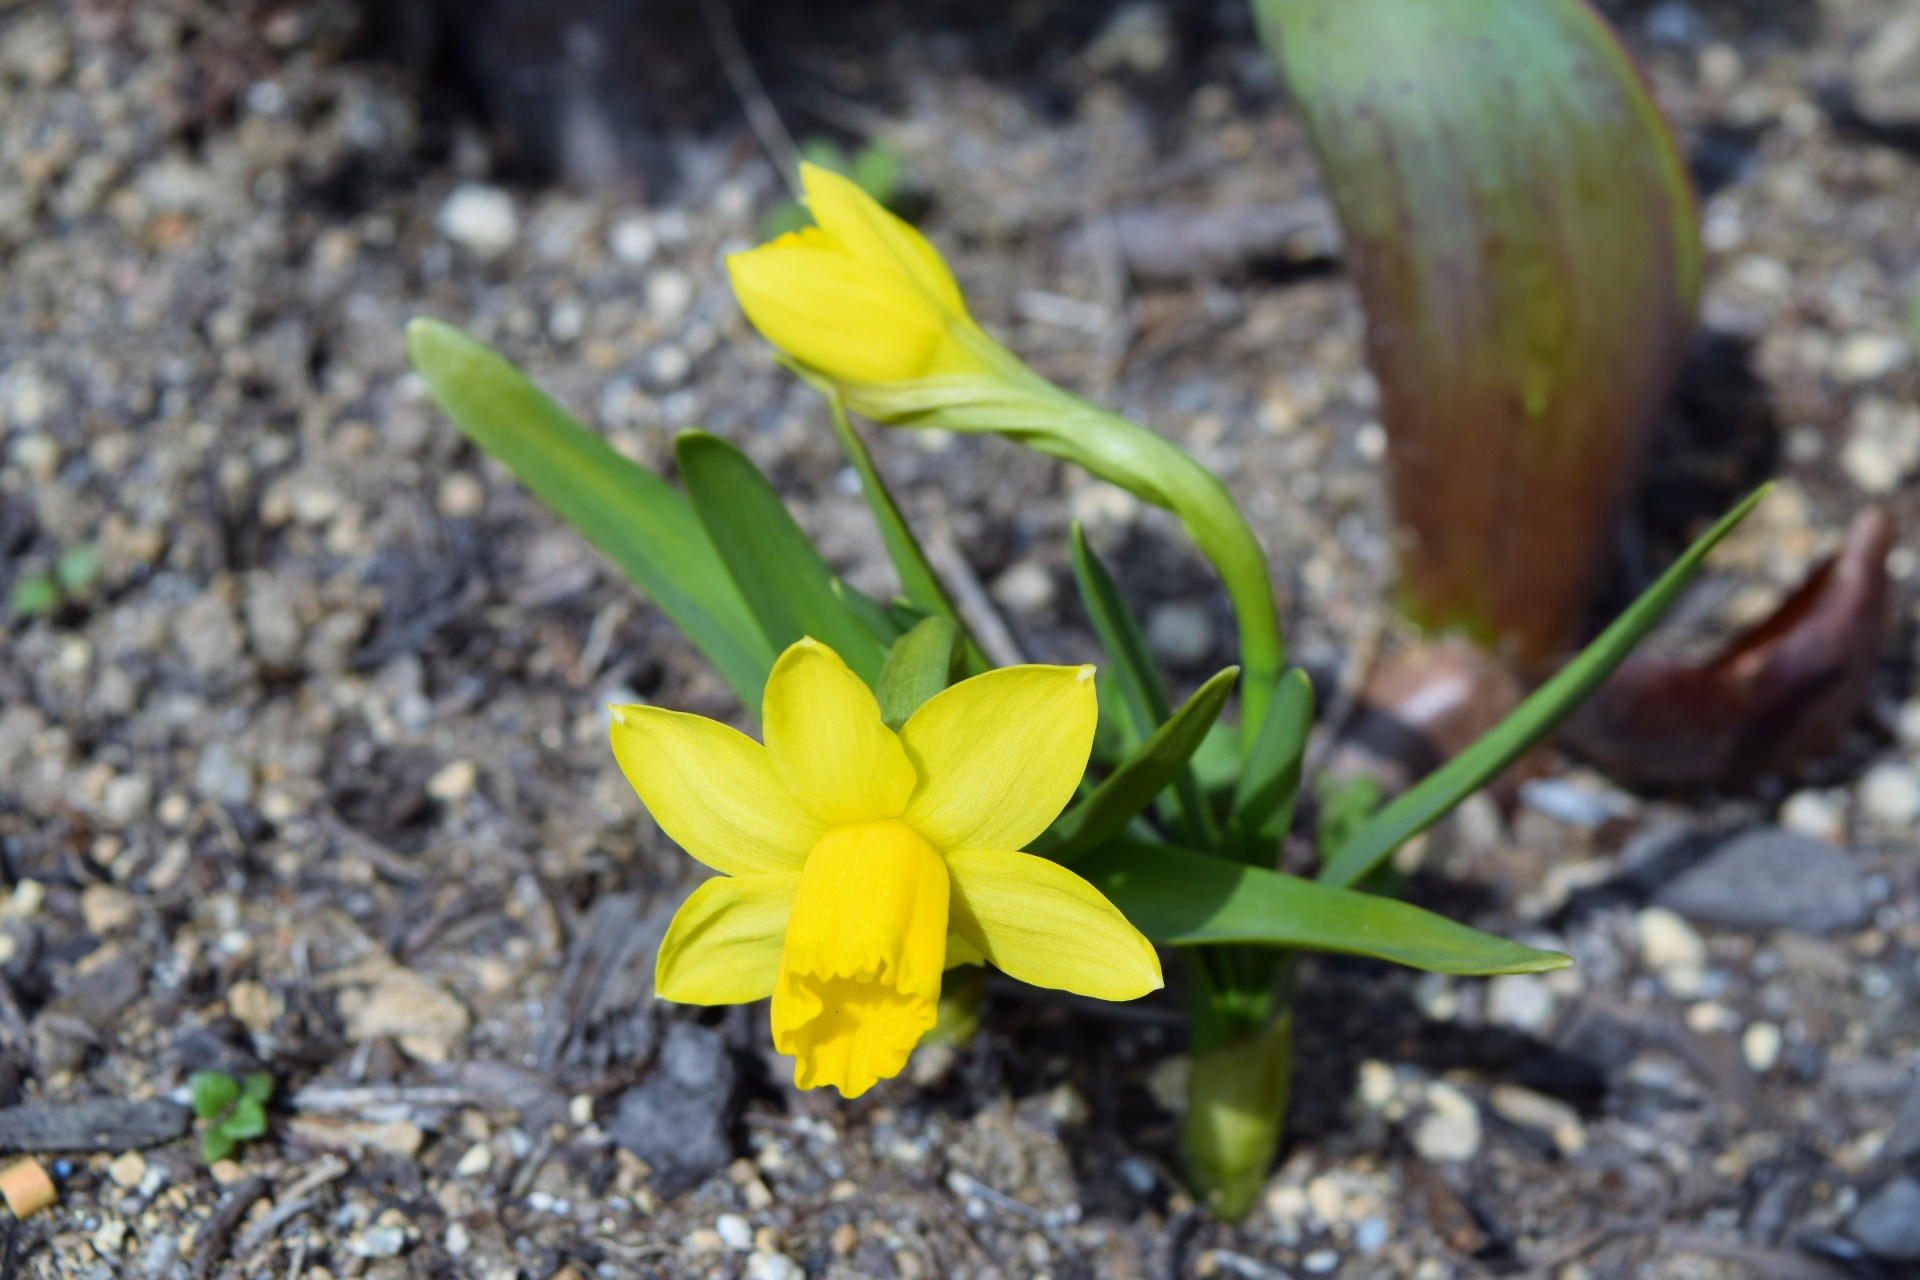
x=1780, y=694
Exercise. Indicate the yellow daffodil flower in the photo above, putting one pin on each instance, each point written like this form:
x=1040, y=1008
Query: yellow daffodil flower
x=860, y=297
x=858, y=863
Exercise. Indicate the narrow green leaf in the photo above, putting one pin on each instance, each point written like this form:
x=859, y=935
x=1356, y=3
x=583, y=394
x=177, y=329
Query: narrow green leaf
x=917, y=667
x=215, y=1145
x=1135, y=678
x=1180, y=898
x=630, y=514
x=918, y=582
x=785, y=582
x=1345, y=806
x=1216, y=765
x=249, y=1120
x=1269, y=783
x=1134, y=675
x=1418, y=808
x=1132, y=787
x=869, y=613
x=213, y=1092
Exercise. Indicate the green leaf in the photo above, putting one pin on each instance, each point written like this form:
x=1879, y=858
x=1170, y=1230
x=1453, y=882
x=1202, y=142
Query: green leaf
x=917, y=667
x=1345, y=806
x=786, y=584
x=918, y=582
x=1419, y=807
x=1134, y=676
x=1525, y=240
x=1180, y=898
x=876, y=171
x=249, y=1120
x=76, y=569
x=33, y=596
x=1135, y=679
x=213, y=1092
x=258, y=1086
x=1216, y=765
x=1132, y=787
x=879, y=620
x=215, y=1145
x=630, y=514
x=1269, y=782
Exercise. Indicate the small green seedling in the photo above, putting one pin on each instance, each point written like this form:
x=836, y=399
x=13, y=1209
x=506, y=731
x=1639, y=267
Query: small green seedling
x=33, y=596
x=235, y=1111
x=38, y=594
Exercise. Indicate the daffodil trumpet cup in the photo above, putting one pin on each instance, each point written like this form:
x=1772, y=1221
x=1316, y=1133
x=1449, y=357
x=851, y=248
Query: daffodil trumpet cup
x=857, y=864
x=862, y=301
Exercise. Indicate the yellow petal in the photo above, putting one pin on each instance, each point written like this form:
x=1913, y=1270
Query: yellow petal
x=862, y=227
x=1044, y=925
x=999, y=755
x=833, y=314
x=713, y=790
x=724, y=944
x=827, y=741
x=860, y=976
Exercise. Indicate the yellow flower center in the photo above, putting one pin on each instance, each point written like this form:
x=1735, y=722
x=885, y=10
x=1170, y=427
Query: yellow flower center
x=860, y=972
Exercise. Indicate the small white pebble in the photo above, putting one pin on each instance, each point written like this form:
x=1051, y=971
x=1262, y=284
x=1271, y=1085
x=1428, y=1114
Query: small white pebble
x=461, y=496
x=632, y=241
x=1370, y=442
x=1862, y=357
x=1890, y=795
x=765, y=1265
x=474, y=1161
x=1520, y=1000
x=734, y=1232
x=1451, y=1130
x=480, y=218
x=1819, y=814
x=1760, y=1045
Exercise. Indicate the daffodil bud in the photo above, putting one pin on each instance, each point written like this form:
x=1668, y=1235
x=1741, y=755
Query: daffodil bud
x=860, y=297
x=864, y=303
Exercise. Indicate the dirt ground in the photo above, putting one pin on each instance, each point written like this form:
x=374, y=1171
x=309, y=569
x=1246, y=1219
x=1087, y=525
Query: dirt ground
x=307, y=769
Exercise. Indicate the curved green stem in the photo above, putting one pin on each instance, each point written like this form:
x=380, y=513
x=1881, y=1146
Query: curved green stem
x=1013, y=401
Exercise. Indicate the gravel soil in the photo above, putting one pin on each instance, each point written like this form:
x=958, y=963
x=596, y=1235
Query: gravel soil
x=305, y=770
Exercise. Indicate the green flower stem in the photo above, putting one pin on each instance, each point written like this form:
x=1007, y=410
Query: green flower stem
x=1011, y=400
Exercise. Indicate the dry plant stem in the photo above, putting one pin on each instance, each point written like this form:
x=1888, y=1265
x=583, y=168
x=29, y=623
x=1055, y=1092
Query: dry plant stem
x=766, y=122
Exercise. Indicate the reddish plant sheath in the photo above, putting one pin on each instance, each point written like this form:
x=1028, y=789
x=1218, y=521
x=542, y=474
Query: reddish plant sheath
x=1523, y=235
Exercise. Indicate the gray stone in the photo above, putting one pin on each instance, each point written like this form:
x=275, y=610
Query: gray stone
x=209, y=637
x=676, y=1119
x=223, y=776
x=1769, y=878
x=1888, y=1224
x=273, y=620
x=1886, y=73
x=1903, y=1140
